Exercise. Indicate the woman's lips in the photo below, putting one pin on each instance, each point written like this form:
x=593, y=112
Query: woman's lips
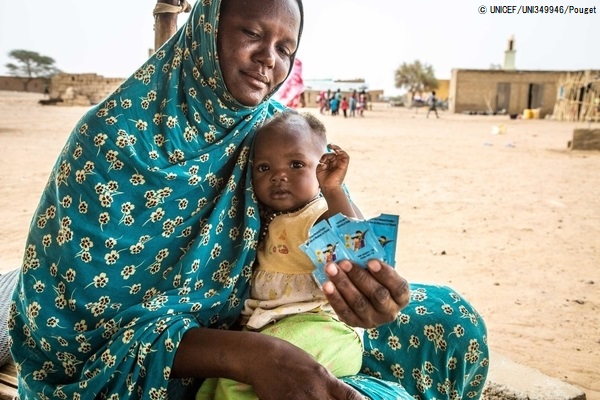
x=259, y=76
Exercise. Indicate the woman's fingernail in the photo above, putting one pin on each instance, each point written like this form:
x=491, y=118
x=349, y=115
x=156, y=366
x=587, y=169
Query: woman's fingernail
x=346, y=266
x=375, y=266
x=328, y=287
x=331, y=269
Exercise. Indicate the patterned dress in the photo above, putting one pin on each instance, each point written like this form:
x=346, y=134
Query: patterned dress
x=148, y=227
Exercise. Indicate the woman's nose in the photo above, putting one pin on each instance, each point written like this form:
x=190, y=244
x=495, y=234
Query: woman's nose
x=266, y=56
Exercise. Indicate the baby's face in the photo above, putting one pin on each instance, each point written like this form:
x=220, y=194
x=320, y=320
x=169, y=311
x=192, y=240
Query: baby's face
x=284, y=166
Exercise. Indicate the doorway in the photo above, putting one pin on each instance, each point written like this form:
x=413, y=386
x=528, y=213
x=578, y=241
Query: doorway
x=535, y=97
x=503, y=97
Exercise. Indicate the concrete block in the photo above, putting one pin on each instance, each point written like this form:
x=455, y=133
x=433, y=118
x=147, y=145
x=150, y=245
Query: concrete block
x=585, y=139
x=508, y=380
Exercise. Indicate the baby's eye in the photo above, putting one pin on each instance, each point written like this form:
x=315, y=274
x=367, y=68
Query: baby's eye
x=262, y=168
x=297, y=164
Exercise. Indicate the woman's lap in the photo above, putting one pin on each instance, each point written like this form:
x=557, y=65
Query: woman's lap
x=332, y=343
x=436, y=348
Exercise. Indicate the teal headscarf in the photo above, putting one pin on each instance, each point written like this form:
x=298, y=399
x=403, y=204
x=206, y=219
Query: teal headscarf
x=147, y=227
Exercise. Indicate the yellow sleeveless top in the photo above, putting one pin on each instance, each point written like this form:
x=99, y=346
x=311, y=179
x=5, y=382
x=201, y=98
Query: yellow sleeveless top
x=282, y=283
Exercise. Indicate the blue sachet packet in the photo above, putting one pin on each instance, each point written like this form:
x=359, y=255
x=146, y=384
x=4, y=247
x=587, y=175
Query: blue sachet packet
x=341, y=238
x=385, y=227
x=323, y=246
x=359, y=238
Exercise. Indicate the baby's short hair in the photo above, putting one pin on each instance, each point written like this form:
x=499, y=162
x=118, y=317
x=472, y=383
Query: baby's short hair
x=316, y=126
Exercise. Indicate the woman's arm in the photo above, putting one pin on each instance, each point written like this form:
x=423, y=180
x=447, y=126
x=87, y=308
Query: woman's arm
x=275, y=368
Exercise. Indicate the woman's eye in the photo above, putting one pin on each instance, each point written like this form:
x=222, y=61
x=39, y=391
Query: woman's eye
x=284, y=51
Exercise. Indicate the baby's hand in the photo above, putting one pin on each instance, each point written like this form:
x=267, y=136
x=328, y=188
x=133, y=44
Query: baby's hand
x=332, y=168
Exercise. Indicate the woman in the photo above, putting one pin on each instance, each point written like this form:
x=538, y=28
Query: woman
x=141, y=249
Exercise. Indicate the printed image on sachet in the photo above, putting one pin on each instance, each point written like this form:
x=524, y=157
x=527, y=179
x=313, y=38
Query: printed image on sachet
x=385, y=227
x=323, y=246
x=359, y=239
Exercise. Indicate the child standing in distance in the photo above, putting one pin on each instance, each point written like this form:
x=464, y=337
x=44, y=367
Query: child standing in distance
x=297, y=183
x=345, y=106
x=432, y=102
x=352, y=104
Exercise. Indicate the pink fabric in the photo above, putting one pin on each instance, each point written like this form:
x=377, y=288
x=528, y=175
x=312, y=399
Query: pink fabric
x=290, y=92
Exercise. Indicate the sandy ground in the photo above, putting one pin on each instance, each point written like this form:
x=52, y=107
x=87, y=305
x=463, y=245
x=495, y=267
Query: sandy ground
x=512, y=221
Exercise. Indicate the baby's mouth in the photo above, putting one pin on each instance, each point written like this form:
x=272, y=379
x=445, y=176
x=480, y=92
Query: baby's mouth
x=279, y=192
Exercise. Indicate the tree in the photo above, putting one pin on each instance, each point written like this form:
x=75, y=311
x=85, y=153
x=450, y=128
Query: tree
x=416, y=78
x=30, y=64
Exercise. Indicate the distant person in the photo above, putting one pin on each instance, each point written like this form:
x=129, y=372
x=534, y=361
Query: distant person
x=432, y=103
x=328, y=102
x=334, y=105
x=338, y=94
x=345, y=106
x=352, y=104
x=322, y=102
x=362, y=103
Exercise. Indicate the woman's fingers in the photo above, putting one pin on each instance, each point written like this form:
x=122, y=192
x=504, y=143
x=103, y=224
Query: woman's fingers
x=285, y=371
x=345, y=298
x=366, y=298
x=343, y=391
x=395, y=286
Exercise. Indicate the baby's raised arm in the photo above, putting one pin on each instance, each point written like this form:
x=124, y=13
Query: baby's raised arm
x=331, y=172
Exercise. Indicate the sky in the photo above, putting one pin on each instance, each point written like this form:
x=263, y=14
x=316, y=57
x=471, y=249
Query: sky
x=343, y=39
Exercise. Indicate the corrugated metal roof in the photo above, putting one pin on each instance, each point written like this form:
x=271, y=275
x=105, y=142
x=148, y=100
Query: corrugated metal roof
x=344, y=86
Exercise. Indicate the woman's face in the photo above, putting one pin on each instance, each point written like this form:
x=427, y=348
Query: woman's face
x=255, y=43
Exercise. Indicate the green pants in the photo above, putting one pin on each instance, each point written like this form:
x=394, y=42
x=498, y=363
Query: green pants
x=333, y=344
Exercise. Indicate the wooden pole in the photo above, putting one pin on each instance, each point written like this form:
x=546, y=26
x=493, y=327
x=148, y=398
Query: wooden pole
x=165, y=19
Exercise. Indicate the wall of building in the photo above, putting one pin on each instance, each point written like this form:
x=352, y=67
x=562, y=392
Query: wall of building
x=70, y=89
x=18, y=84
x=477, y=90
x=82, y=89
x=443, y=90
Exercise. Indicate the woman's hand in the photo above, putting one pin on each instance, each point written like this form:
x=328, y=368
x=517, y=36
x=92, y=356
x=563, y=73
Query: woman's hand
x=287, y=372
x=275, y=368
x=365, y=297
